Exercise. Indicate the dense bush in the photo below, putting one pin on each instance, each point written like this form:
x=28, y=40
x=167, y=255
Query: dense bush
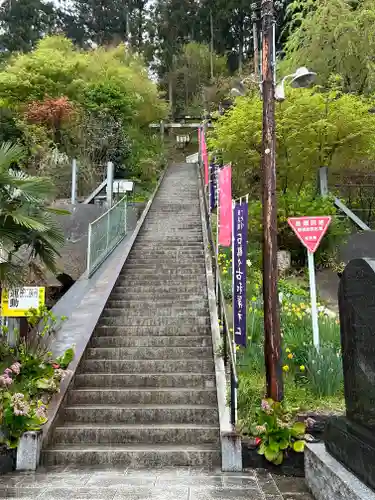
x=95, y=105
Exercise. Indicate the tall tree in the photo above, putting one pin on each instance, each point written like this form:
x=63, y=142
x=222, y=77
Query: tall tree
x=24, y=22
x=335, y=37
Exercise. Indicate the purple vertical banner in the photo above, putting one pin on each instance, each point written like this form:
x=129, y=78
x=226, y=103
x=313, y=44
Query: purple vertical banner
x=213, y=186
x=240, y=224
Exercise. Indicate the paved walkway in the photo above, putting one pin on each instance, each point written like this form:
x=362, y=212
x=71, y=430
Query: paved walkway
x=164, y=484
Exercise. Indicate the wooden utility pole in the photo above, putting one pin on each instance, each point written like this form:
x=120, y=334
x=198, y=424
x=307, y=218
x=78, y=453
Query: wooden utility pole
x=212, y=46
x=256, y=51
x=272, y=344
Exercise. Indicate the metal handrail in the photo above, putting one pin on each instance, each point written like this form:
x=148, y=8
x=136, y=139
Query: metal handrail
x=105, y=233
x=229, y=354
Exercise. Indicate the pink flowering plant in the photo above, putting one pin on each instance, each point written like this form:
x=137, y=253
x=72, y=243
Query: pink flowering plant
x=29, y=376
x=275, y=434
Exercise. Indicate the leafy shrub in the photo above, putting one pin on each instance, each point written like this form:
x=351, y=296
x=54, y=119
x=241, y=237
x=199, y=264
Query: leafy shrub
x=276, y=434
x=30, y=376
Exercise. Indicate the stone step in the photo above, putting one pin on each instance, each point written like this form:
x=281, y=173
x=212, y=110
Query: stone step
x=173, y=312
x=135, y=456
x=158, y=321
x=180, y=290
x=138, y=395
x=164, y=267
x=153, y=295
x=157, y=256
x=124, y=353
x=162, y=280
x=140, y=414
x=89, y=434
x=164, y=380
x=158, y=303
x=153, y=331
x=147, y=366
x=143, y=341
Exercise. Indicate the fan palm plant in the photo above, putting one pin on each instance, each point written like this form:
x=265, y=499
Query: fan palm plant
x=27, y=225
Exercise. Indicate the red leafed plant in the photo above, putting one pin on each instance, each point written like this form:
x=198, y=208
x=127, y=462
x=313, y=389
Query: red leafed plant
x=52, y=112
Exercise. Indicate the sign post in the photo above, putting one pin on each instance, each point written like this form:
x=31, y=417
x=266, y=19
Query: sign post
x=310, y=231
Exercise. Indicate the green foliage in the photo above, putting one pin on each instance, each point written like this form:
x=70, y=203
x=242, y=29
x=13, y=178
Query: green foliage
x=25, y=219
x=276, y=433
x=325, y=371
x=334, y=37
x=313, y=129
x=30, y=377
x=192, y=74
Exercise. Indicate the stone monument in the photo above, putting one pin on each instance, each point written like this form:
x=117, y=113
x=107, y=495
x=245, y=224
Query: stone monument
x=351, y=439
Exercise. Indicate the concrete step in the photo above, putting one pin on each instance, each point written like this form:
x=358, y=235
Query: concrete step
x=150, y=313
x=166, y=255
x=163, y=380
x=162, y=268
x=140, y=414
x=143, y=341
x=158, y=321
x=157, y=303
x=147, y=366
x=124, y=353
x=153, y=295
x=150, y=289
x=91, y=434
x=162, y=280
x=135, y=456
x=160, y=309
x=153, y=331
x=138, y=395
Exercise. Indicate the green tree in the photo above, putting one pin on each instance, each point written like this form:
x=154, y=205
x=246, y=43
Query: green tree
x=24, y=22
x=313, y=129
x=28, y=230
x=334, y=37
x=192, y=75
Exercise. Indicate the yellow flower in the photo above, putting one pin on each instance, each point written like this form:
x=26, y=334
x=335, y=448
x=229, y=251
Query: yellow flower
x=302, y=306
x=253, y=299
x=237, y=347
x=287, y=349
x=231, y=330
x=302, y=368
x=290, y=356
x=285, y=368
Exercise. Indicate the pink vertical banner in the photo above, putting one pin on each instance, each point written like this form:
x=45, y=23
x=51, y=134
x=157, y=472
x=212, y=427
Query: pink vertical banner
x=205, y=158
x=225, y=206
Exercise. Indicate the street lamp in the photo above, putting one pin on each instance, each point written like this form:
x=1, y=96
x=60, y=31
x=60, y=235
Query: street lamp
x=302, y=78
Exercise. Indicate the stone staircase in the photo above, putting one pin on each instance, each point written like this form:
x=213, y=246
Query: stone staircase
x=145, y=394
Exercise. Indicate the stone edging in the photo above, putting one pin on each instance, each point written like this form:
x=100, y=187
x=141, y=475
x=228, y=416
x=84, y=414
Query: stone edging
x=107, y=283
x=231, y=452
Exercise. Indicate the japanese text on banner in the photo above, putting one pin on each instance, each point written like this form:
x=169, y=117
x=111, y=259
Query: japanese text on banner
x=239, y=252
x=213, y=185
x=225, y=206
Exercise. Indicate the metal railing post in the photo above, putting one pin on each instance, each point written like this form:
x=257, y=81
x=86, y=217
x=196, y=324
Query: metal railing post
x=89, y=241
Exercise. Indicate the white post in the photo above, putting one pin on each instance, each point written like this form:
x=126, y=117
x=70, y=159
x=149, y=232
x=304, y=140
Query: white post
x=110, y=174
x=74, y=182
x=314, y=309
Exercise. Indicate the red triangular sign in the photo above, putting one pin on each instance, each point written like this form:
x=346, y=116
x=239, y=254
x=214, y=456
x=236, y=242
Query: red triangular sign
x=310, y=230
